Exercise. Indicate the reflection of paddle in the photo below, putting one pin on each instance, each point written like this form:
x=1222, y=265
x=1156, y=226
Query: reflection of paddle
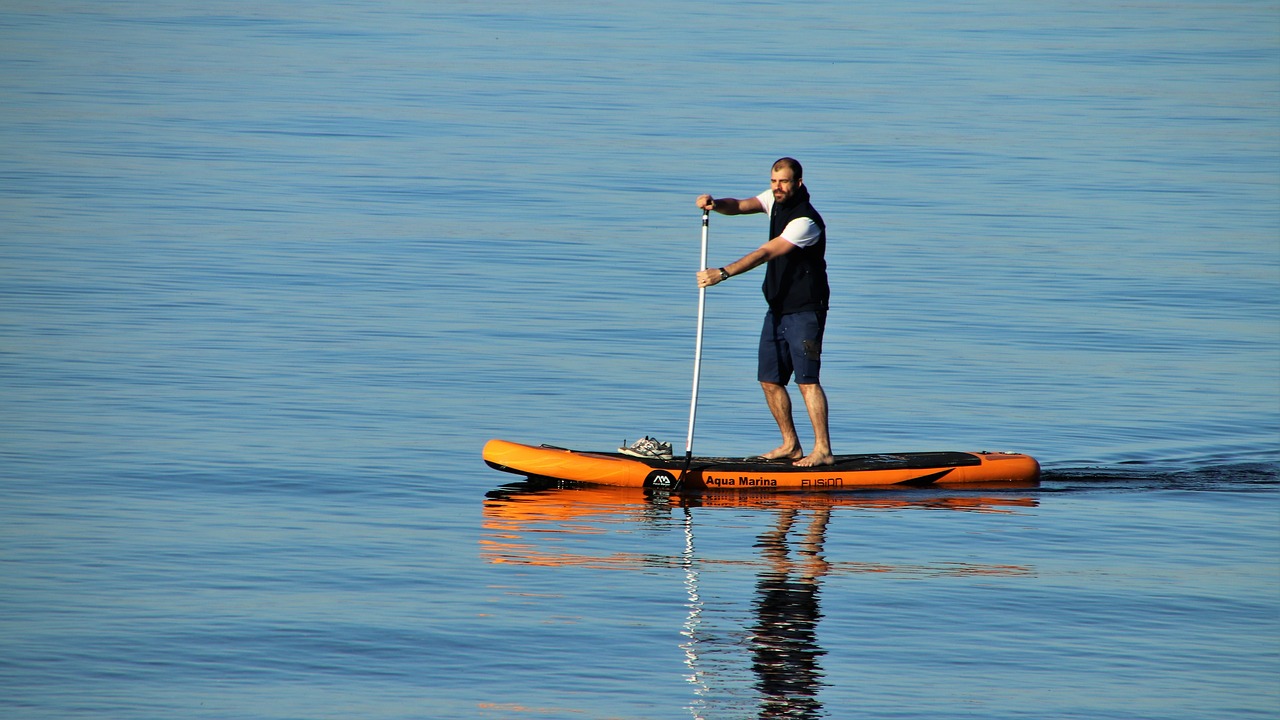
x=697, y=355
x=694, y=620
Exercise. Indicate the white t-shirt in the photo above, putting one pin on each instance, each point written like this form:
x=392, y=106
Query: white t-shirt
x=801, y=232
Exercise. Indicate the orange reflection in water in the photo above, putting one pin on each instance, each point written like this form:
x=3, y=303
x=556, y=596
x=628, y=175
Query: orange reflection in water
x=524, y=521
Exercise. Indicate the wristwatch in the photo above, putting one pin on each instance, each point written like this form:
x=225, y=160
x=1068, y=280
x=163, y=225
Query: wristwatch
x=724, y=275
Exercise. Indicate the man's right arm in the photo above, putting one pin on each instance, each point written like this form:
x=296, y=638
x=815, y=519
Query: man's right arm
x=730, y=206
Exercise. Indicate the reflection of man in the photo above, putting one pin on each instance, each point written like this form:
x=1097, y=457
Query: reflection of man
x=795, y=286
x=785, y=644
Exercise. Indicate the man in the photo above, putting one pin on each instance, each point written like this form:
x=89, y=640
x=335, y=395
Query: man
x=796, y=290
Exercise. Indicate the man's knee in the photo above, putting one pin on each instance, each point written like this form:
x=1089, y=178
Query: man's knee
x=773, y=388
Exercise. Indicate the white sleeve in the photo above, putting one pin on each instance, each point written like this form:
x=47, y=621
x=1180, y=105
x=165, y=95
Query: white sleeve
x=801, y=232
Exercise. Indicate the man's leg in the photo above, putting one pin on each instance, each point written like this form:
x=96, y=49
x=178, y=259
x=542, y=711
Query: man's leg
x=780, y=405
x=815, y=399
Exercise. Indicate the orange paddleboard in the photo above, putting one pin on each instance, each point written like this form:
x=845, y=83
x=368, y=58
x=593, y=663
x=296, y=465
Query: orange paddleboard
x=717, y=473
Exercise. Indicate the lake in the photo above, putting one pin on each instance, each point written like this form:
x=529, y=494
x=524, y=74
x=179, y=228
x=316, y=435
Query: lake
x=271, y=274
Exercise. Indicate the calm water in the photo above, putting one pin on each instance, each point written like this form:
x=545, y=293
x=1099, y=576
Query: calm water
x=271, y=273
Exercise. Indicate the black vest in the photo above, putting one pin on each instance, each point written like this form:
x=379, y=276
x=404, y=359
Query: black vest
x=797, y=281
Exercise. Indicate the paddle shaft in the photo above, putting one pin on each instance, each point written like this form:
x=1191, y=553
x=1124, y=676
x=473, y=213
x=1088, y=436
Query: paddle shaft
x=697, y=351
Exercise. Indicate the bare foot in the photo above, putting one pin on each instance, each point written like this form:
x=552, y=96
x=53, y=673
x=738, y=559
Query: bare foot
x=815, y=459
x=784, y=453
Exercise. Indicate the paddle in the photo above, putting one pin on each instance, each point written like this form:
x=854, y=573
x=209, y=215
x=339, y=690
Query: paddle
x=697, y=356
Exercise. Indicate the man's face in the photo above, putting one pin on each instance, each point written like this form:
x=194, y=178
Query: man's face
x=783, y=183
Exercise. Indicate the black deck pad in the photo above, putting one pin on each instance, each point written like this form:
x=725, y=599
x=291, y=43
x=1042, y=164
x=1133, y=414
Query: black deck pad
x=903, y=461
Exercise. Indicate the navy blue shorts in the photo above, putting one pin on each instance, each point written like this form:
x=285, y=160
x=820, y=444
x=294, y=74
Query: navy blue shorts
x=791, y=344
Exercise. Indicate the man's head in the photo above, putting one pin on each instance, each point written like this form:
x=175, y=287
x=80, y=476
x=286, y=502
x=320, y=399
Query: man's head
x=787, y=177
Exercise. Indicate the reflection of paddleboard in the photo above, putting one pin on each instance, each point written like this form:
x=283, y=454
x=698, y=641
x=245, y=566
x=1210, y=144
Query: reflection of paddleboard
x=535, y=523
x=850, y=471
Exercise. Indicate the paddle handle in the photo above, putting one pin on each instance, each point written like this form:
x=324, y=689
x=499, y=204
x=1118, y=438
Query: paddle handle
x=697, y=345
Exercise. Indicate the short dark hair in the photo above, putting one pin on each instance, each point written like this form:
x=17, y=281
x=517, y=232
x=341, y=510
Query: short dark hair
x=792, y=164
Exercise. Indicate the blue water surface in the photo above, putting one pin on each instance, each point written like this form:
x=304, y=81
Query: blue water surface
x=272, y=273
